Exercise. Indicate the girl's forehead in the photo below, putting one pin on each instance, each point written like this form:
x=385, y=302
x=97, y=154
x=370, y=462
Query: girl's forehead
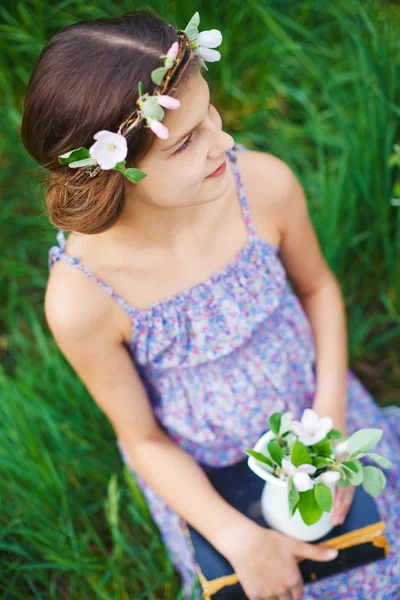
x=194, y=98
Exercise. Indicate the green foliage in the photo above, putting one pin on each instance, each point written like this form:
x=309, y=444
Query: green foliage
x=300, y=454
x=334, y=434
x=261, y=457
x=354, y=471
x=382, y=461
x=323, y=447
x=285, y=423
x=275, y=452
x=275, y=422
x=374, y=481
x=323, y=496
x=294, y=496
x=308, y=508
x=363, y=440
x=319, y=462
x=134, y=175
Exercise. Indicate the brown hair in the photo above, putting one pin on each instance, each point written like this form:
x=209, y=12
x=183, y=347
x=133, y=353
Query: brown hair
x=85, y=80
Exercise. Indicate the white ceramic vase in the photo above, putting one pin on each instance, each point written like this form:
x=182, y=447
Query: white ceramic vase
x=275, y=503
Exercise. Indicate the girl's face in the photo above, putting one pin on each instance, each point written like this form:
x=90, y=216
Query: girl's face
x=177, y=167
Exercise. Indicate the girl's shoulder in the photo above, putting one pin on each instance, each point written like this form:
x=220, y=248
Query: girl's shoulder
x=75, y=307
x=267, y=181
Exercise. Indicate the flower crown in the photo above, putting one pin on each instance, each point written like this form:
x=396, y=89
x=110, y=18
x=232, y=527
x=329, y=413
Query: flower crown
x=111, y=149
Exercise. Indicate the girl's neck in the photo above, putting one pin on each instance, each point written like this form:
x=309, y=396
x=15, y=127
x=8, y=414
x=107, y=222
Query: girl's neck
x=157, y=227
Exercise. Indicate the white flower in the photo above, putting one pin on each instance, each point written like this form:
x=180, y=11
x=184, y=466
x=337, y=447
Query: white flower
x=207, y=40
x=110, y=149
x=312, y=429
x=330, y=476
x=301, y=475
x=341, y=447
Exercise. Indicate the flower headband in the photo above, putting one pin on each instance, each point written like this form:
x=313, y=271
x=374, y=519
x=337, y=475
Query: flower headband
x=111, y=149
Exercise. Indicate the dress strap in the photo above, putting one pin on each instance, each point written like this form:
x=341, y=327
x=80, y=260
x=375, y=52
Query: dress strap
x=58, y=252
x=240, y=187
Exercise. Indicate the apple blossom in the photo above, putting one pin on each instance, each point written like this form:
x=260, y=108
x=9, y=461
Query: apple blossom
x=205, y=41
x=173, y=51
x=341, y=447
x=330, y=476
x=301, y=474
x=312, y=429
x=110, y=149
x=159, y=129
x=168, y=101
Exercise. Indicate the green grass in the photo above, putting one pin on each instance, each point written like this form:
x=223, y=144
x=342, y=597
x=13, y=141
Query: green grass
x=315, y=83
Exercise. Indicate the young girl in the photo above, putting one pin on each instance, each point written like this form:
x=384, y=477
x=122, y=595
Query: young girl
x=199, y=336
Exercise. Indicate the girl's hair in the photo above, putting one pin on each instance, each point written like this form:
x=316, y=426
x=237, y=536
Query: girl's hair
x=85, y=80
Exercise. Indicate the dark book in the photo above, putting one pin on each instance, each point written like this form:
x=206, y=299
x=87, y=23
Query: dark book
x=360, y=539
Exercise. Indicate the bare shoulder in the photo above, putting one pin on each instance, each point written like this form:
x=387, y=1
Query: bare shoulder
x=76, y=308
x=85, y=328
x=268, y=181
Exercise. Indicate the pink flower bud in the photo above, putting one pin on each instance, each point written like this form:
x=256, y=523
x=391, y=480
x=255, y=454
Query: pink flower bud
x=168, y=101
x=173, y=51
x=159, y=129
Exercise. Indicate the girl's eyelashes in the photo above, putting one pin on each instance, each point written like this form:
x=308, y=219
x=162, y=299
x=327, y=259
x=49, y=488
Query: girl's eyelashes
x=185, y=145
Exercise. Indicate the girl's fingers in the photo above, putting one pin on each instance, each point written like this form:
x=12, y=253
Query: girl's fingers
x=343, y=500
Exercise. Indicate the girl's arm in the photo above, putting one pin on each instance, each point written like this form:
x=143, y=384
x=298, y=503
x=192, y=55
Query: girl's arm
x=321, y=297
x=82, y=320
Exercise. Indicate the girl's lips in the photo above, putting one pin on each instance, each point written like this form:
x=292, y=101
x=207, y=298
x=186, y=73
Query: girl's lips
x=218, y=171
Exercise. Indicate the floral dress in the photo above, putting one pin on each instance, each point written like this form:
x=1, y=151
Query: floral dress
x=217, y=359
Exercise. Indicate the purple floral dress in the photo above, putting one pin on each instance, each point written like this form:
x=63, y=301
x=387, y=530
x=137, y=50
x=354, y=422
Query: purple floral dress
x=217, y=359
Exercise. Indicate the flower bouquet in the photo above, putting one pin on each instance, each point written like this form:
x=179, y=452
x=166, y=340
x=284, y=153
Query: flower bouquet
x=306, y=460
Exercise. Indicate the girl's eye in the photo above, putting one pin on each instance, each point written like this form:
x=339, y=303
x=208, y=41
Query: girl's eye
x=185, y=145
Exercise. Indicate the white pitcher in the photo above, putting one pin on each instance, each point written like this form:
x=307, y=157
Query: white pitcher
x=275, y=503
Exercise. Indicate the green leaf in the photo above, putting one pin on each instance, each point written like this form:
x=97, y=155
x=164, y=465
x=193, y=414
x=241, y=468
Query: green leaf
x=374, y=481
x=308, y=507
x=350, y=465
x=134, y=175
x=343, y=484
x=294, y=496
x=335, y=434
x=344, y=480
x=158, y=75
x=275, y=422
x=323, y=447
x=275, y=452
x=355, y=471
x=82, y=163
x=141, y=88
x=74, y=155
x=285, y=422
x=363, y=440
x=261, y=457
x=191, y=27
x=300, y=454
x=380, y=460
x=323, y=496
x=320, y=462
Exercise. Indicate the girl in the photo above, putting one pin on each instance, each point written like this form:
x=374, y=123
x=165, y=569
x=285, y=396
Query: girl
x=199, y=336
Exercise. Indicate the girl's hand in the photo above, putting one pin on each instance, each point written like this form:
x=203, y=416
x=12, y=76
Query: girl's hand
x=265, y=561
x=343, y=500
